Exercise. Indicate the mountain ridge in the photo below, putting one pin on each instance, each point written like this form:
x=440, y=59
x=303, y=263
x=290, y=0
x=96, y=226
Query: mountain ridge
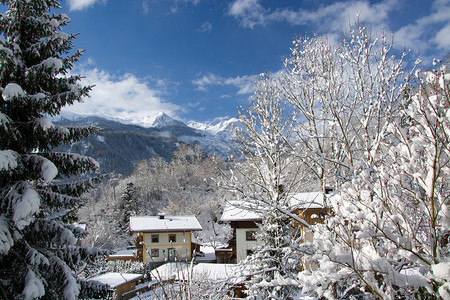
x=119, y=146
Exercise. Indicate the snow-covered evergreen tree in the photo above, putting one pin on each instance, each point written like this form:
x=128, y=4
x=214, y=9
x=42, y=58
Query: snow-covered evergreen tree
x=38, y=256
x=276, y=261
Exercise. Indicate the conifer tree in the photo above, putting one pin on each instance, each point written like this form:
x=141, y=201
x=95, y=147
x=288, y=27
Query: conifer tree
x=128, y=206
x=38, y=256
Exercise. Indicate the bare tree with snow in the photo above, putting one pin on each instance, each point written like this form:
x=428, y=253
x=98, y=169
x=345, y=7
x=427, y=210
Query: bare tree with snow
x=262, y=183
x=388, y=228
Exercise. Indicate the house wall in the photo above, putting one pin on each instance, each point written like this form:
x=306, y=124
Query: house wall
x=242, y=244
x=182, y=246
x=312, y=216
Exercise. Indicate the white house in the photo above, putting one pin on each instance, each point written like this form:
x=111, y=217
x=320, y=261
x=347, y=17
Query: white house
x=245, y=227
x=164, y=238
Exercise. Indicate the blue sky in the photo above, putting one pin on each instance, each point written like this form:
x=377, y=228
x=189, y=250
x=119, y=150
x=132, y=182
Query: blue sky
x=198, y=59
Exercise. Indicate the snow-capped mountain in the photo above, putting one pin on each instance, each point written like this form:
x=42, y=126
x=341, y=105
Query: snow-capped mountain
x=118, y=146
x=222, y=126
x=161, y=120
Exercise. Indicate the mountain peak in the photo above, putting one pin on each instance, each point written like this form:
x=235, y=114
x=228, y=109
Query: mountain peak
x=161, y=119
x=222, y=126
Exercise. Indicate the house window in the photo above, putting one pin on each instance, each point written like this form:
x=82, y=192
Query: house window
x=250, y=235
x=172, y=238
x=155, y=238
x=154, y=253
x=249, y=252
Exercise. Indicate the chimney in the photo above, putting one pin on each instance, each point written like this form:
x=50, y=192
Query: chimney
x=161, y=215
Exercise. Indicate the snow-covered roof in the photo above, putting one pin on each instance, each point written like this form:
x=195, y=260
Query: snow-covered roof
x=232, y=273
x=115, y=279
x=124, y=252
x=168, y=223
x=234, y=212
x=203, y=271
x=307, y=200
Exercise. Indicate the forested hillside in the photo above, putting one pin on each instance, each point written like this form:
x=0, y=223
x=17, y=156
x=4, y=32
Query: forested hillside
x=119, y=147
x=187, y=185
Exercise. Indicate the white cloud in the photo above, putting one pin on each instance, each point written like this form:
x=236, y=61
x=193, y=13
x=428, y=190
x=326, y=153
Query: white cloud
x=423, y=35
x=333, y=17
x=429, y=32
x=442, y=38
x=82, y=4
x=244, y=84
x=125, y=97
x=250, y=12
x=206, y=27
x=145, y=8
x=175, y=4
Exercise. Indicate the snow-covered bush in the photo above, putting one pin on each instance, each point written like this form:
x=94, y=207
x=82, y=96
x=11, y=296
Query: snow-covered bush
x=388, y=230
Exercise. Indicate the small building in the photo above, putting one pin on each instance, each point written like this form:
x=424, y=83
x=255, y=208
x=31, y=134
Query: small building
x=245, y=227
x=164, y=238
x=118, y=283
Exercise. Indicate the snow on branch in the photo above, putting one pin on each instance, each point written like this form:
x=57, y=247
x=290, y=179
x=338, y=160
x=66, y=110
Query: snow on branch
x=56, y=233
x=76, y=188
x=6, y=240
x=71, y=163
x=66, y=277
x=42, y=166
x=34, y=286
x=56, y=199
x=11, y=91
x=24, y=203
x=8, y=160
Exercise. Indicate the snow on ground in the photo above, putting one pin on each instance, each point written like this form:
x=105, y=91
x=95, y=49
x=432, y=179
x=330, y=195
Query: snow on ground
x=170, y=271
x=184, y=272
x=231, y=273
x=206, y=254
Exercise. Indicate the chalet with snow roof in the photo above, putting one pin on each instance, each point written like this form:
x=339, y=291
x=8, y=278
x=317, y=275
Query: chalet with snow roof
x=164, y=238
x=245, y=228
x=308, y=206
